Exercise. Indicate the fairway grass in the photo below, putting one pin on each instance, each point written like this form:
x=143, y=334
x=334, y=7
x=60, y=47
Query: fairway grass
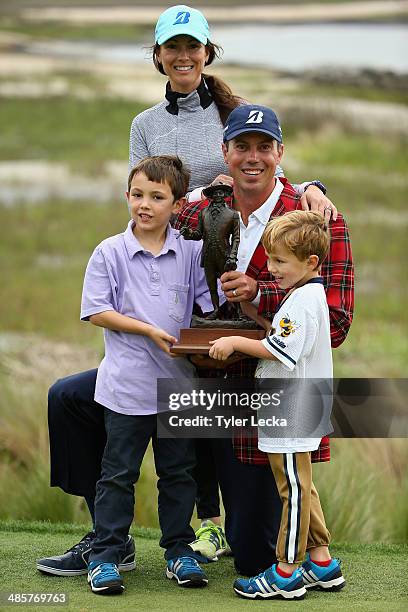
x=375, y=576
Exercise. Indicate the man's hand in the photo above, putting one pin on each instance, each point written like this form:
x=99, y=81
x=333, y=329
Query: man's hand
x=238, y=287
x=314, y=199
x=163, y=340
x=222, y=348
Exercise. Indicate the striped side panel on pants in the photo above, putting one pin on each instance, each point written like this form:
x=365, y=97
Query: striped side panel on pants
x=294, y=507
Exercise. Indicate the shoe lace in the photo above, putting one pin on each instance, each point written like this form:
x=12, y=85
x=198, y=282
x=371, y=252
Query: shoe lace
x=82, y=544
x=254, y=578
x=189, y=563
x=108, y=570
x=204, y=533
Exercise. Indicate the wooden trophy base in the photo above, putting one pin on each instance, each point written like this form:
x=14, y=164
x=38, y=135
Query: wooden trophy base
x=196, y=341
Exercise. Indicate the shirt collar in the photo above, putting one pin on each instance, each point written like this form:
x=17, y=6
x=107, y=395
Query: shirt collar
x=316, y=279
x=175, y=97
x=133, y=245
x=263, y=213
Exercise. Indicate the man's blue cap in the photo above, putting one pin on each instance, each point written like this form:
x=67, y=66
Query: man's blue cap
x=252, y=118
x=182, y=19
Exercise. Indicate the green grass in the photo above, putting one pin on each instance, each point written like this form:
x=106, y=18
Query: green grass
x=51, y=30
x=47, y=248
x=338, y=150
x=371, y=94
x=375, y=576
x=79, y=132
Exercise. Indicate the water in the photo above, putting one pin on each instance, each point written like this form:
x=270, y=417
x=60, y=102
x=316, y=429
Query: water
x=300, y=47
x=290, y=47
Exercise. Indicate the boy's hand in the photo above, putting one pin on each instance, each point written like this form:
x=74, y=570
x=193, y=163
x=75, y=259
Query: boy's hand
x=163, y=340
x=222, y=348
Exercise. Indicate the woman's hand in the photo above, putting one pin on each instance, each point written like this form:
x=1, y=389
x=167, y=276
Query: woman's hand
x=222, y=348
x=314, y=199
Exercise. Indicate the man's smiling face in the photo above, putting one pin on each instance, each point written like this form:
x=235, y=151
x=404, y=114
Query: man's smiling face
x=252, y=158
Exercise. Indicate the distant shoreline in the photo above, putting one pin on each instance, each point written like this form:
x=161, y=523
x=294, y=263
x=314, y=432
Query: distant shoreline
x=298, y=13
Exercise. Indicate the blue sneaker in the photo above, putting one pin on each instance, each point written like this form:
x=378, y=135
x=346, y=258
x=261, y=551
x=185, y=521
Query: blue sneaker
x=186, y=571
x=104, y=578
x=327, y=578
x=269, y=584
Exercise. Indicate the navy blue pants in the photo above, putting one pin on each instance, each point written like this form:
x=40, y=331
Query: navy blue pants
x=77, y=439
x=127, y=441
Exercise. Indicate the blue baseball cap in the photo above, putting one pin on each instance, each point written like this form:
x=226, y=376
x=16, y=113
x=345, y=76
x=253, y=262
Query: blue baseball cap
x=252, y=118
x=181, y=19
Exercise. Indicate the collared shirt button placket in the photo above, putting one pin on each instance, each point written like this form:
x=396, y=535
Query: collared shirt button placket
x=154, y=278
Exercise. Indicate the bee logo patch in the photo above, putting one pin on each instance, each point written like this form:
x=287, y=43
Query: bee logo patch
x=287, y=326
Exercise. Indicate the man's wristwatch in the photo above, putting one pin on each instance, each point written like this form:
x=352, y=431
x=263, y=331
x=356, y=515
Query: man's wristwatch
x=318, y=184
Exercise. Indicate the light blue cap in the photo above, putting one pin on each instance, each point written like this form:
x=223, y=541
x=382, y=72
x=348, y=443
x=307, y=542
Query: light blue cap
x=182, y=19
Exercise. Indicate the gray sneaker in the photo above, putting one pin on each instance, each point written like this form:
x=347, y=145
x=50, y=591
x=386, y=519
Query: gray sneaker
x=74, y=562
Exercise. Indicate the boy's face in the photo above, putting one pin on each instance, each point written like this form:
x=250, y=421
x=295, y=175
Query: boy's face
x=288, y=270
x=151, y=204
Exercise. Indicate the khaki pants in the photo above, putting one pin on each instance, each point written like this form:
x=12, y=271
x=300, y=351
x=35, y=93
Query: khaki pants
x=302, y=524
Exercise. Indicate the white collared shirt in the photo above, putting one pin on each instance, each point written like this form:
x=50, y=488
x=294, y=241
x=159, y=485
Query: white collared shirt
x=251, y=234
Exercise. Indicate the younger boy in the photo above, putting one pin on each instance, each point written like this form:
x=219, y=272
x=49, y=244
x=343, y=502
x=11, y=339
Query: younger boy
x=298, y=346
x=140, y=287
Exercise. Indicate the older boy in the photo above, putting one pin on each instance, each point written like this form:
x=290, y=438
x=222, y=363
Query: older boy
x=298, y=346
x=140, y=287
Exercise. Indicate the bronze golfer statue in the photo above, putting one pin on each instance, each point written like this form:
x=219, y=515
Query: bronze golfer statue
x=218, y=228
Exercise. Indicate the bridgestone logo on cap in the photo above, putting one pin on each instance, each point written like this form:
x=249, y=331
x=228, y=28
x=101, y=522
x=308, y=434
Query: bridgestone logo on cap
x=182, y=17
x=255, y=116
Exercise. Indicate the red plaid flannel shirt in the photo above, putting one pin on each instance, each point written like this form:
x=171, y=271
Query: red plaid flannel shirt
x=338, y=275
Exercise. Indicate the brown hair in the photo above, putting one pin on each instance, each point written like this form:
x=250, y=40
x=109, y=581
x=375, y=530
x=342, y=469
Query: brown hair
x=164, y=169
x=301, y=232
x=222, y=94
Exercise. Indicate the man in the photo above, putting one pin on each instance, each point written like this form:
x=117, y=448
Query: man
x=252, y=148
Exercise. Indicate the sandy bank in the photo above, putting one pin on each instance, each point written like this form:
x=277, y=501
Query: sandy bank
x=252, y=13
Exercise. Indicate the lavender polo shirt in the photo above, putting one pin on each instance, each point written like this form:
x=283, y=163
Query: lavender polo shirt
x=158, y=289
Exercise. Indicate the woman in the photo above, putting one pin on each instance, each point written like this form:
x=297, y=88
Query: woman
x=188, y=123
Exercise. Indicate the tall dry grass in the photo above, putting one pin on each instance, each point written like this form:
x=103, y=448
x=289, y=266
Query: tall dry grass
x=28, y=366
x=364, y=490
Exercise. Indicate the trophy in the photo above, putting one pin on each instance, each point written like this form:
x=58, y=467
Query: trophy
x=218, y=228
